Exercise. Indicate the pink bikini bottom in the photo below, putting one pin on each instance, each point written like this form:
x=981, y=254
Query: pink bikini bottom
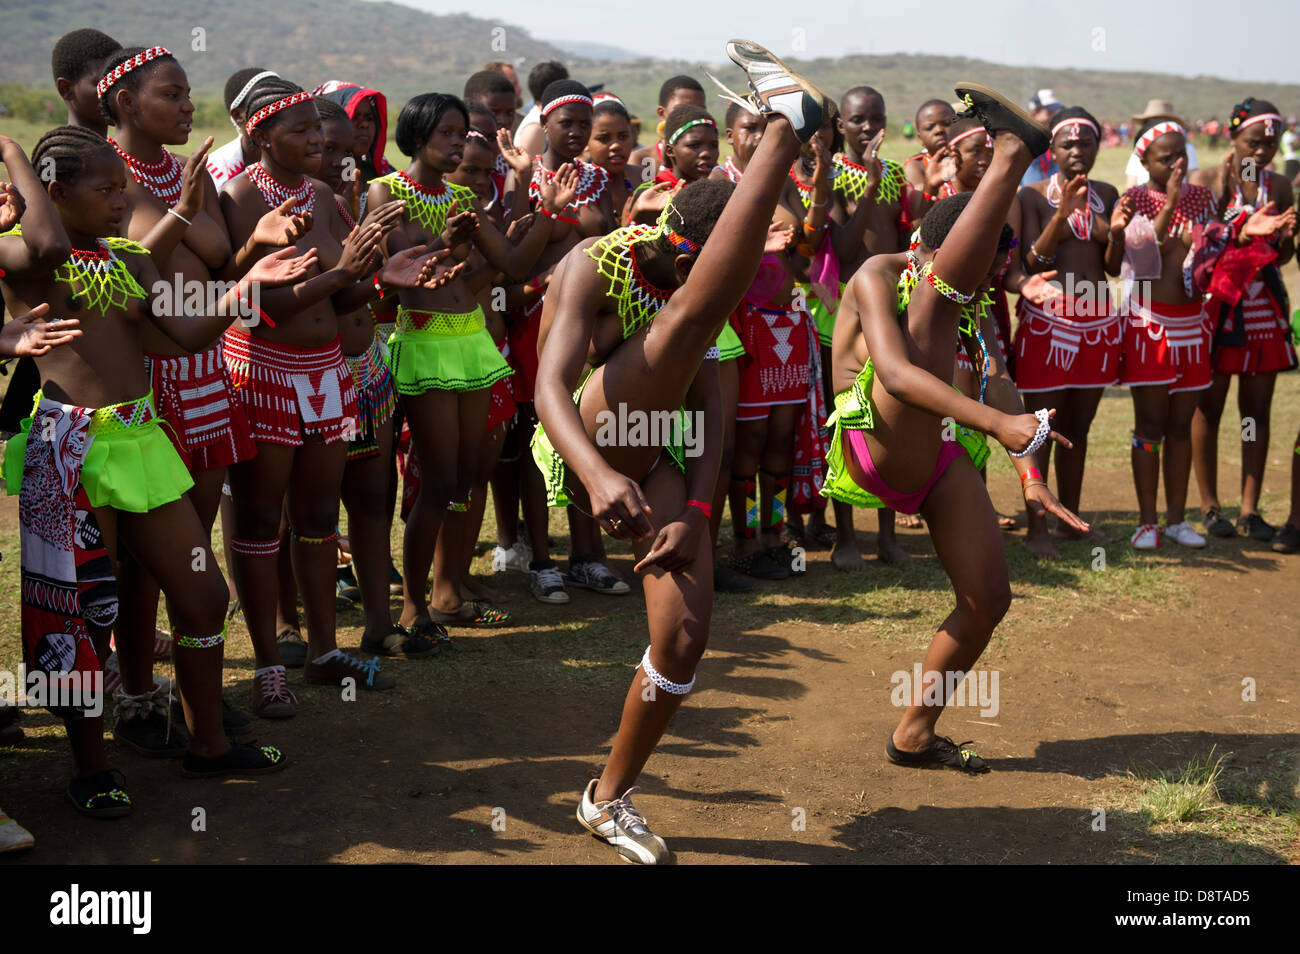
x=903, y=503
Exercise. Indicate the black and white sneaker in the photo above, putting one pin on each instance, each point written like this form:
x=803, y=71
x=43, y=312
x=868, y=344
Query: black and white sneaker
x=777, y=89
x=619, y=823
x=546, y=583
x=594, y=575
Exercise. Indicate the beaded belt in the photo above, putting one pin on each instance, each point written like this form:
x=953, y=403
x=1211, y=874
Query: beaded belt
x=440, y=322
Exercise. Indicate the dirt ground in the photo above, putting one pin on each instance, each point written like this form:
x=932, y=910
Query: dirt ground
x=778, y=754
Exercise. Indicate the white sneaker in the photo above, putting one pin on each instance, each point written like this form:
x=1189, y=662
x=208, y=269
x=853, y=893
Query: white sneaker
x=1146, y=537
x=516, y=558
x=621, y=825
x=1184, y=534
x=13, y=836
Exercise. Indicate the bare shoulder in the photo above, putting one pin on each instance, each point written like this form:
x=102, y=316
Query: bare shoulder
x=1107, y=192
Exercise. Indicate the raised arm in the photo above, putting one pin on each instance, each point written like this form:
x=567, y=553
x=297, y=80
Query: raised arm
x=44, y=244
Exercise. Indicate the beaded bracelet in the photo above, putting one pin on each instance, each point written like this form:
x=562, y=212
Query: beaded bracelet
x=1043, y=259
x=1031, y=474
x=179, y=216
x=375, y=281
x=944, y=289
x=1040, y=434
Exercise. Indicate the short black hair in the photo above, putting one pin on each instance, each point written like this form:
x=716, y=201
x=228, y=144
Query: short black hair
x=330, y=110
x=862, y=91
x=77, y=53
x=270, y=90
x=733, y=113
x=543, y=75
x=485, y=83
x=71, y=148
x=938, y=222
x=927, y=104
x=607, y=107
x=238, y=80
x=419, y=117
x=683, y=114
x=697, y=209
x=1248, y=108
x=130, y=80
x=674, y=83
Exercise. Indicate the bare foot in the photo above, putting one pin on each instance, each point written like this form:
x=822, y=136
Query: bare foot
x=1041, y=546
x=910, y=520
x=847, y=557
x=1006, y=523
x=1095, y=534
x=890, y=552
x=473, y=588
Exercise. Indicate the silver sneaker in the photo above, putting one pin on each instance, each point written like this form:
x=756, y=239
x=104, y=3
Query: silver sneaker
x=596, y=576
x=779, y=89
x=619, y=823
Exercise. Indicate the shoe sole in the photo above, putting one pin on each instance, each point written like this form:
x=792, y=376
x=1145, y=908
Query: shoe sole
x=277, y=711
x=1020, y=114
x=551, y=602
x=279, y=766
x=361, y=684
x=829, y=107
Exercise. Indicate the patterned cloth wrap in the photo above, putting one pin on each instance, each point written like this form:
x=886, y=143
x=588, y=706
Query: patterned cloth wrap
x=376, y=399
x=289, y=392
x=82, y=458
x=199, y=408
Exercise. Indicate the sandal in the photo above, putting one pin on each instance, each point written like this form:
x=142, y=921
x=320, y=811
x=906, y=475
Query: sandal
x=823, y=534
x=238, y=760
x=474, y=614
x=101, y=795
x=401, y=642
x=942, y=751
x=999, y=114
x=433, y=631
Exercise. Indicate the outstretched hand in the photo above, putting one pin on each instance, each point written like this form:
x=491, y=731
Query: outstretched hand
x=1266, y=222
x=419, y=267
x=561, y=190
x=1040, y=501
x=516, y=158
x=31, y=335
x=284, y=267
x=280, y=226
x=192, y=181
x=359, y=250
x=779, y=237
x=1041, y=287
x=1121, y=217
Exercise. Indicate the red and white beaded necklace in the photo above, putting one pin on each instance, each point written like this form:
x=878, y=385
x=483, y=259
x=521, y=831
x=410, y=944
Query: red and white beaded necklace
x=1196, y=205
x=592, y=180
x=276, y=193
x=1080, y=221
x=732, y=170
x=163, y=178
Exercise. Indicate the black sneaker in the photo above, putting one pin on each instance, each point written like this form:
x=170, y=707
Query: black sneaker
x=1287, y=539
x=293, y=648
x=150, y=735
x=999, y=114
x=1216, y=524
x=1256, y=527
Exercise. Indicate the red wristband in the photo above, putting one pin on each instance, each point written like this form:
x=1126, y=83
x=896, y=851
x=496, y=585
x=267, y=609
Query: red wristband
x=702, y=507
x=1031, y=474
x=375, y=281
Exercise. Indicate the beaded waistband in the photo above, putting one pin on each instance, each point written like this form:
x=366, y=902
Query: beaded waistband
x=111, y=417
x=440, y=322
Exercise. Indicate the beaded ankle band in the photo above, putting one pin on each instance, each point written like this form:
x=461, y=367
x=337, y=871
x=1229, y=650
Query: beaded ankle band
x=199, y=642
x=662, y=681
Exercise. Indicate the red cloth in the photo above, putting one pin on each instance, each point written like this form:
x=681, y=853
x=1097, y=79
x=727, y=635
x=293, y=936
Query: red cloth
x=1071, y=343
x=522, y=336
x=200, y=411
x=350, y=96
x=811, y=436
x=775, y=367
x=503, y=407
x=1264, y=323
x=1166, y=344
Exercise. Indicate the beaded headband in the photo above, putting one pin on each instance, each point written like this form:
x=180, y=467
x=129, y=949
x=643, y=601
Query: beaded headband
x=685, y=126
x=1073, y=123
x=248, y=88
x=1154, y=133
x=1238, y=124
x=970, y=132
x=126, y=66
x=280, y=104
x=679, y=241
x=607, y=98
x=475, y=134
x=564, y=100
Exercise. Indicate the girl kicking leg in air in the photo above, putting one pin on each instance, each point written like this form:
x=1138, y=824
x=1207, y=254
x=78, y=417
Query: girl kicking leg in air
x=638, y=492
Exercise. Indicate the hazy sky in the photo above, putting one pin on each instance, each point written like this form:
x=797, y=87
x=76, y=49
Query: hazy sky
x=1186, y=37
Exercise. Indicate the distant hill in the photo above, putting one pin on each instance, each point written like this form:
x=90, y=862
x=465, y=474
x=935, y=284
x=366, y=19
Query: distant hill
x=403, y=51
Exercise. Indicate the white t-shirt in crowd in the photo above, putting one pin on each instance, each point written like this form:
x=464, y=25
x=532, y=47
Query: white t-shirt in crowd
x=1135, y=167
x=531, y=118
x=226, y=162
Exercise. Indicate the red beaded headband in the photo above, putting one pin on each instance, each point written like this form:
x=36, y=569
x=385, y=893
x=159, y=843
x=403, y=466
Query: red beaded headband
x=1154, y=133
x=562, y=100
x=268, y=111
x=1239, y=124
x=1075, y=122
x=126, y=66
x=970, y=132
